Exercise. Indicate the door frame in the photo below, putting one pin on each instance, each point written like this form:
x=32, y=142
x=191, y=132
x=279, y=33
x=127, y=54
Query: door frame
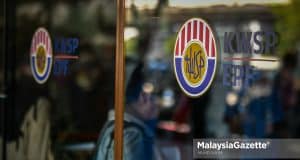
x=119, y=81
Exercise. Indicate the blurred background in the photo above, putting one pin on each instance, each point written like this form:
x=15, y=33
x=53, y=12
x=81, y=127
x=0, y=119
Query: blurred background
x=63, y=117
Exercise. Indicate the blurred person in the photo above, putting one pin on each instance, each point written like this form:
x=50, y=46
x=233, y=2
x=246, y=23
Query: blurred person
x=140, y=120
x=182, y=111
x=193, y=110
x=232, y=114
x=199, y=111
x=256, y=108
x=28, y=119
x=284, y=96
x=35, y=141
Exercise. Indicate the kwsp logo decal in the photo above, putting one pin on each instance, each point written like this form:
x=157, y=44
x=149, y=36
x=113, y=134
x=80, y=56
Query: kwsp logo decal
x=41, y=55
x=195, y=57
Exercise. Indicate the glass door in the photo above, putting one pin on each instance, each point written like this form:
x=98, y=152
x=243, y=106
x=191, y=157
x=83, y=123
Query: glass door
x=62, y=77
x=209, y=70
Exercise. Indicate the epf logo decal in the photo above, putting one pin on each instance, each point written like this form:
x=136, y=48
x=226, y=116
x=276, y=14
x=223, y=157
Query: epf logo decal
x=41, y=55
x=195, y=57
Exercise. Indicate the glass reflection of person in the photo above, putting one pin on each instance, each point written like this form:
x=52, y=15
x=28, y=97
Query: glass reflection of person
x=139, y=124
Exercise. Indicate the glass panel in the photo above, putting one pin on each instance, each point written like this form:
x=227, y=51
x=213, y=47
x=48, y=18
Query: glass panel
x=246, y=96
x=60, y=117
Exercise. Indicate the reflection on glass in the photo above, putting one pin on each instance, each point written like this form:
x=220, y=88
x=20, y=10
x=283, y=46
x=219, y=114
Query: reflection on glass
x=225, y=110
x=71, y=116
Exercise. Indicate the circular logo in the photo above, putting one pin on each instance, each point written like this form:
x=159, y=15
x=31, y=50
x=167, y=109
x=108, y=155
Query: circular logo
x=41, y=55
x=195, y=57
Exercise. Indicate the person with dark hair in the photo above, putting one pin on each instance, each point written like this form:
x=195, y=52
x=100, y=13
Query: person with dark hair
x=139, y=123
x=283, y=96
